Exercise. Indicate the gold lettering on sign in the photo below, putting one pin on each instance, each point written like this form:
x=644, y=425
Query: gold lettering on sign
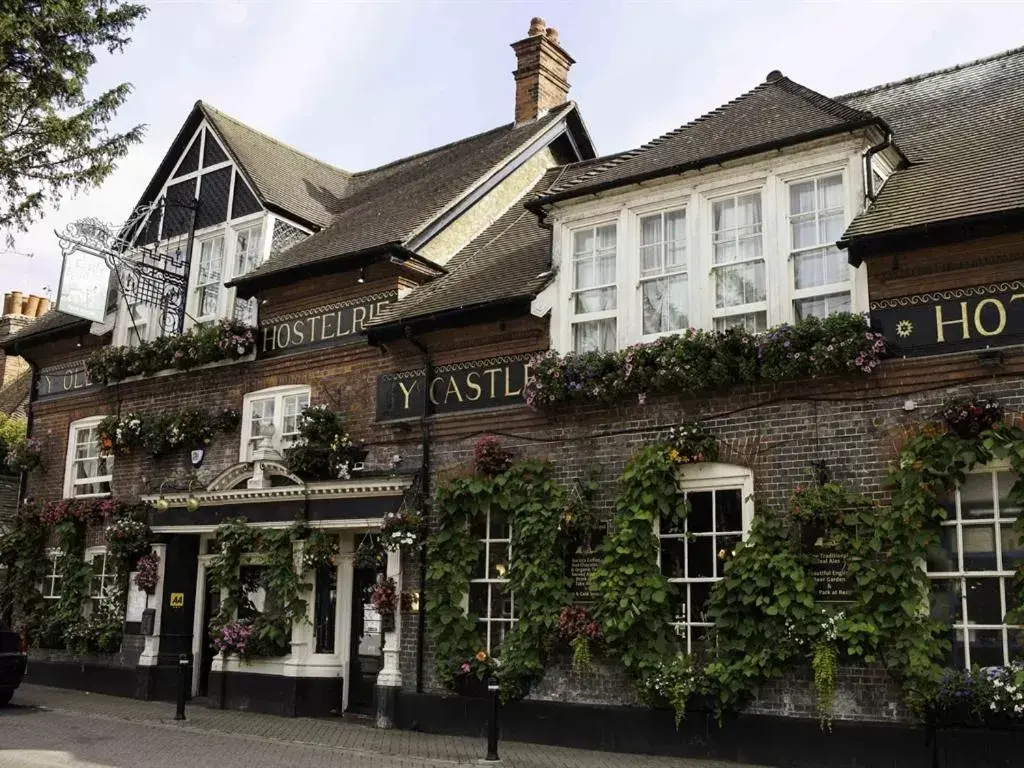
x=358, y=318
x=1002, y=317
x=472, y=379
x=963, y=322
x=492, y=372
x=406, y=392
x=433, y=399
x=453, y=386
x=509, y=392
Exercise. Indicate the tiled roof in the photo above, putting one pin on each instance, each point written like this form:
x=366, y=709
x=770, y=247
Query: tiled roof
x=53, y=322
x=14, y=397
x=389, y=204
x=961, y=130
x=778, y=112
x=508, y=260
x=284, y=177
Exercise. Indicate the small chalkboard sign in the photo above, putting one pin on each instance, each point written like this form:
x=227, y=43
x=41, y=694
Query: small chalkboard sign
x=829, y=570
x=581, y=566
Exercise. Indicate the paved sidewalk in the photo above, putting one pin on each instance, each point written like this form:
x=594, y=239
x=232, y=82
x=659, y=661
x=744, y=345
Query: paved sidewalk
x=351, y=743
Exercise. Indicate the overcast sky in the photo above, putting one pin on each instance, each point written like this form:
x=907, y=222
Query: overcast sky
x=358, y=84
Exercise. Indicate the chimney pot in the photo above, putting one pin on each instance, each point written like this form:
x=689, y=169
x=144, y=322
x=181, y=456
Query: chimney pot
x=16, y=303
x=31, y=305
x=44, y=306
x=541, y=73
x=7, y=303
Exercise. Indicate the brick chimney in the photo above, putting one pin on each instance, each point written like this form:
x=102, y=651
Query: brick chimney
x=19, y=311
x=542, y=72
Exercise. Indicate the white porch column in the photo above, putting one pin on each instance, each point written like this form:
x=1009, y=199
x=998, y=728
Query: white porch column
x=149, y=655
x=389, y=681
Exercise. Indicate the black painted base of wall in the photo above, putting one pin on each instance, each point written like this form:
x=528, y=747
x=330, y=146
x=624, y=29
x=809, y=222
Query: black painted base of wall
x=276, y=695
x=83, y=676
x=757, y=739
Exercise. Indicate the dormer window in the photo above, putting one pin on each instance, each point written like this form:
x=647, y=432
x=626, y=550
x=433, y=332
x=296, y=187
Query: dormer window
x=209, y=283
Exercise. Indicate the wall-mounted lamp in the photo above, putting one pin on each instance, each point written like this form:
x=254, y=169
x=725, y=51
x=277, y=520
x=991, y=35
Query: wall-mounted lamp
x=362, y=275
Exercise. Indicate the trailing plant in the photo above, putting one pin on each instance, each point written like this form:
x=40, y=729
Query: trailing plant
x=370, y=553
x=579, y=630
x=690, y=443
x=269, y=629
x=825, y=668
x=674, y=682
x=490, y=457
x=23, y=556
x=403, y=528
x=384, y=597
x=324, y=450
x=969, y=417
x=979, y=695
x=226, y=340
x=86, y=511
x=320, y=550
x=165, y=432
x=698, y=361
x=530, y=497
x=147, y=574
x=128, y=539
x=25, y=455
x=580, y=522
x=634, y=599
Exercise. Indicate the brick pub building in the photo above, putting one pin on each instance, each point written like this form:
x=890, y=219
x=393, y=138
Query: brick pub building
x=411, y=299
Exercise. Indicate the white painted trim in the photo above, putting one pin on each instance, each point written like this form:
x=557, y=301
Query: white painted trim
x=278, y=393
x=366, y=523
x=86, y=423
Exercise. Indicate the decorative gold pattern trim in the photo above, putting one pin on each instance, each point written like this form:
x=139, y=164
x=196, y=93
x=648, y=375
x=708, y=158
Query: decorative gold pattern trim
x=455, y=367
x=328, y=308
x=953, y=293
x=342, y=488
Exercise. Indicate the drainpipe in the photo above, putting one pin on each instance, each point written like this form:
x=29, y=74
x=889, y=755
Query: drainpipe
x=428, y=373
x=869, y=176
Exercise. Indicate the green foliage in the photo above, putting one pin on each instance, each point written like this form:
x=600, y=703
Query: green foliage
x=54, y=140
x=534, y=502
x=674, y=682
x=166, y=431
x=12, y=436
x=634, y=598
x=280, y=578
x=204, y=344
x=764, y=603
x=324, y=450
x=23, y=554
x=825, y=668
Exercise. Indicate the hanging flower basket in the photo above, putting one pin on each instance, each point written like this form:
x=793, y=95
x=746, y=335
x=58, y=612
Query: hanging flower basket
x=972, y=416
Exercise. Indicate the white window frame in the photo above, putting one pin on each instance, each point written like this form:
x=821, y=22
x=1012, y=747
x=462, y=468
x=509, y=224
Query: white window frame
x=278, y=394
x=697, y=193
x=848, y=286
x=695, y=478
x=957, y=522
x=53, y=579
x=569, y=270
x=489, y=619
x=258, y=255
x=198, y=288
x=108, y=576
x=760, y=189
x=69, y=479
x=634, y=312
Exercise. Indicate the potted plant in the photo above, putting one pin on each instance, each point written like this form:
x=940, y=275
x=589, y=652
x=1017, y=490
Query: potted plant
x=470, y=676
x=384, y=597
x=969, y=417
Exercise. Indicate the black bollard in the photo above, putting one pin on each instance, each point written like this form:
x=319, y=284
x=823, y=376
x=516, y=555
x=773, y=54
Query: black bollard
x=183, y=684
x=492, y=727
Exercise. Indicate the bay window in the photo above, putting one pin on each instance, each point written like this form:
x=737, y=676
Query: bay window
x=664, y=272
x=490, y=598
x=594, y=295
x=692, y=553
x=972, y=570
x=88, y=470
x=272, y=414
x=822, y=278
x=738, y=267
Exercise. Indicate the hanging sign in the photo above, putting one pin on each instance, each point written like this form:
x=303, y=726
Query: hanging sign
x=84, y=286
x=952, y=321
x=454, y=388
x=581, y=566
x=329, y=326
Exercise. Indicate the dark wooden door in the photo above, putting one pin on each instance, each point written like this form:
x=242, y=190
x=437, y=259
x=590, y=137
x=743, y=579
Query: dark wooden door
x=366, y=656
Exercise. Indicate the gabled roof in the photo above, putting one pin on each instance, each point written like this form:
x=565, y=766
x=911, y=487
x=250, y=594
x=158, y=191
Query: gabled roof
x=962, y=129
x=390, y=204
x=777, y=113
x=509, y=260
x=283, y=178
